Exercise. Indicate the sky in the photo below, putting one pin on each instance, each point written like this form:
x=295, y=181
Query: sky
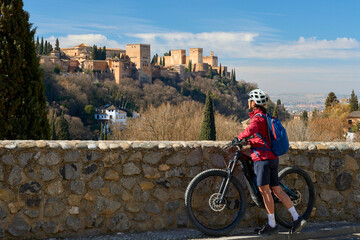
x=283, y=46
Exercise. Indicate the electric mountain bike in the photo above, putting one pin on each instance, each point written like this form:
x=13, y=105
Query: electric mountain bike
x=215, y=200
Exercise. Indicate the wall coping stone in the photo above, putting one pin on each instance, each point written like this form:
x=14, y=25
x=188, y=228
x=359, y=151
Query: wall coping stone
x=127, y=145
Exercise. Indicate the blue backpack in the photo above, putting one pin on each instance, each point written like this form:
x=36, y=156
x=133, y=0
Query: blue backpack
x=279, y=143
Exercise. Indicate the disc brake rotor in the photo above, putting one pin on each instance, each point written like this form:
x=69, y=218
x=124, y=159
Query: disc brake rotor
x=214, y=202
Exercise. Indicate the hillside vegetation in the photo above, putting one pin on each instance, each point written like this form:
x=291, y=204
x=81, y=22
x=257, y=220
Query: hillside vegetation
x=77, y=95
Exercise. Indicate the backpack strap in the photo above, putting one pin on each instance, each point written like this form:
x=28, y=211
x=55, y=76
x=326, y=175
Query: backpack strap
x=267, y=124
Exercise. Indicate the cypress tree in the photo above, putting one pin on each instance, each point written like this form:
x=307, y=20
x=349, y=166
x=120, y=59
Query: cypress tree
x=37, y=45
x=164, y=61
x=22, y=88
x=276, y=112
x=189, y=66
x=208, y=130
x=63, y=127
x=94, y=53
x=331, y=100
x=41, y=46
x=52, y=127
x=106, y=132
x=354, y=104
x=57, y=45
x=160, y=61
x=304, y=116
x=278, y=102
x=101, y=131
x=45, y=49
x=234, y=75
x=103, y=53
x=49, y=48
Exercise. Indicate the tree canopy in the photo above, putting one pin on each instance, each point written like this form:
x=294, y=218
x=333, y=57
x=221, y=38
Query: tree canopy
x=22, y=90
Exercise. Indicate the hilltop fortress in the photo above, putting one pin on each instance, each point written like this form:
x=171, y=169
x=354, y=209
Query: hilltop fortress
x=134, y=62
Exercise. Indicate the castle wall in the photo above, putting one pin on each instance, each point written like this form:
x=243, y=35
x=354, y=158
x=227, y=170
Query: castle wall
x=111, y=51
x=74, y=188
x=211, y=60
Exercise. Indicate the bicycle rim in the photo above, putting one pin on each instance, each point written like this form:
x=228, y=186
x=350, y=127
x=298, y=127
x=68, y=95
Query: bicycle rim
x=299, y=187
x=203, y=208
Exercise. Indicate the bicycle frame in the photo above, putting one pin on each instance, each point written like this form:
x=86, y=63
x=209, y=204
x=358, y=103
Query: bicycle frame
x=246, y=164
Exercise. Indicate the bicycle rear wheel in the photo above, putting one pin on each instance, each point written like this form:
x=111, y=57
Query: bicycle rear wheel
x=298, y=185
x=203, y=208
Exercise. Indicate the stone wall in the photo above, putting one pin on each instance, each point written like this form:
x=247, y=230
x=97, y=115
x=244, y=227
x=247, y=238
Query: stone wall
x=68, y=188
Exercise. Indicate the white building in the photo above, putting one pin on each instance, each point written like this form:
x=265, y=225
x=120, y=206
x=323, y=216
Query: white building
x=111, y=114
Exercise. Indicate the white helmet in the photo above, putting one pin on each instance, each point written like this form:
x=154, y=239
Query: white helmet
x=259, y=97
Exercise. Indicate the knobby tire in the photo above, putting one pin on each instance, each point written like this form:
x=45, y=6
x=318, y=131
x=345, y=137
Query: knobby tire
x=190, y=200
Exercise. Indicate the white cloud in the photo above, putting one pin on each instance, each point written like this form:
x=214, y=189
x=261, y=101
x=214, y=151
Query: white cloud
x=90, y=39
x=247, y=45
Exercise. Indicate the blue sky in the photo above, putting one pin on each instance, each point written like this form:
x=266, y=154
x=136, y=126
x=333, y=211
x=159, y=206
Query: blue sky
x=283, y=46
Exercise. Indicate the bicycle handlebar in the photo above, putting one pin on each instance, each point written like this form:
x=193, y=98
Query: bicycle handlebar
x=238, y=142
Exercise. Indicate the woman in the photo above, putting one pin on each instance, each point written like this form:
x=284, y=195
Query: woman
x=266, y=164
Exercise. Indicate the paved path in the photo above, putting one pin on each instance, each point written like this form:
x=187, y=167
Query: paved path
x=324, y=230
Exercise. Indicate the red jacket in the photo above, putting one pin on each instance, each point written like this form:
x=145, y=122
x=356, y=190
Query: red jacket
x=258, y=124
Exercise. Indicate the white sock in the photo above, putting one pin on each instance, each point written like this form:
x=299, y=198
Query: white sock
x=293, y=213
x=271, y=220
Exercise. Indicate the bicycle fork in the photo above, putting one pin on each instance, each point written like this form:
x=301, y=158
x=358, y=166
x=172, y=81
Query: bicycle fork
x=225, y=182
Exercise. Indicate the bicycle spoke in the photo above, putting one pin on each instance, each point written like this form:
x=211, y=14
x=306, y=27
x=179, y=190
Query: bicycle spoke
x=208, y=211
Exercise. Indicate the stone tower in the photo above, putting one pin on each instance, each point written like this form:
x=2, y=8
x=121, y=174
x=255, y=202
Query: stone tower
x=196, y=55
x=140, y=55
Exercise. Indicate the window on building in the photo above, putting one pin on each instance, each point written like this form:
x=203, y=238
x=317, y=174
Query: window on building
x=110, y=116
x=350, y=121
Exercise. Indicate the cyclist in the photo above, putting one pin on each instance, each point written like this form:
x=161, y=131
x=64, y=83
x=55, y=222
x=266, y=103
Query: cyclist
x=266, y=165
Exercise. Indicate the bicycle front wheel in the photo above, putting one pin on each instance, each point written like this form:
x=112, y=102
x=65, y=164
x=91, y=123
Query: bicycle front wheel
x=203, y=207
x=297, y=184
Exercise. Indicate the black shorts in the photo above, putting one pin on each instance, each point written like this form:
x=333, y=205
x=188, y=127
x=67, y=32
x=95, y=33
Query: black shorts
x=266, y=172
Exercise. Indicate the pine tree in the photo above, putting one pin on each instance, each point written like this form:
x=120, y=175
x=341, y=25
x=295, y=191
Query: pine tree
x=354, y=103
x=276, y=112
x=22, y=89
x=208, y=130
x=57, y=45
x=41, y=51
x=331, y=100
x=63, y=128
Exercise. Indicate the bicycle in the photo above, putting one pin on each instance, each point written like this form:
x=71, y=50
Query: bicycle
x=215, y=200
